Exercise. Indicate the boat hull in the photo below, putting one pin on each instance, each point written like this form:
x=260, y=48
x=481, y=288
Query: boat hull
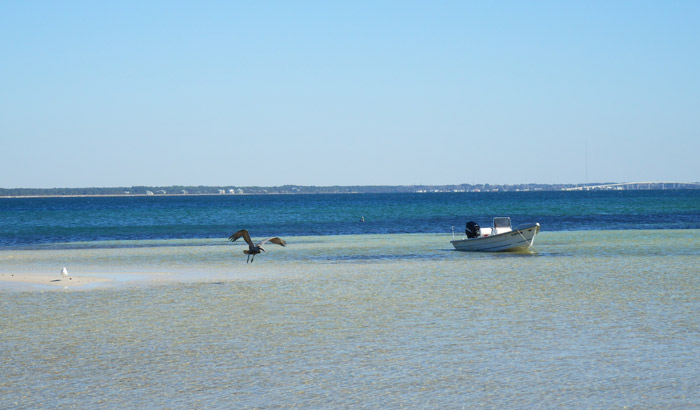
x=519, y=239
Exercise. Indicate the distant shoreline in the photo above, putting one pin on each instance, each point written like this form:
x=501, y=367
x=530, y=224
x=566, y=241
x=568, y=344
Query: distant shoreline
x=178, y=190
x=111, y=195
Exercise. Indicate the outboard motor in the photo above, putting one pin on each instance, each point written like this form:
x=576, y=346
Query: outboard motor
x=473, y=230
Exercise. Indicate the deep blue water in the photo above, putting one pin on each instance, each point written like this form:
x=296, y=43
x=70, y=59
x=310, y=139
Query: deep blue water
x=32, y=221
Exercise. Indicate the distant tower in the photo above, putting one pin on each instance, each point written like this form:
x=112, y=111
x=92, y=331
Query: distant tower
x=586, y=162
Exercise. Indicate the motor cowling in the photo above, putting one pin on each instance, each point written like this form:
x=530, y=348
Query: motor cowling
x=473, y=230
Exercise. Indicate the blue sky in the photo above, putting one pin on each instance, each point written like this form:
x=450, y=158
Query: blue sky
x=348, y=93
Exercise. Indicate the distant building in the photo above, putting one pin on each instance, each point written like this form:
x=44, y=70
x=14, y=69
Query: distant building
x=149, y=192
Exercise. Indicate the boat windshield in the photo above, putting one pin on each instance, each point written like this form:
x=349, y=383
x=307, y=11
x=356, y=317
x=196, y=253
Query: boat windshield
x=502, y=222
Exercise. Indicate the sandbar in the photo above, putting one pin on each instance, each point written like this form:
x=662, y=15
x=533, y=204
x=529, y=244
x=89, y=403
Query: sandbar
x=33, y=281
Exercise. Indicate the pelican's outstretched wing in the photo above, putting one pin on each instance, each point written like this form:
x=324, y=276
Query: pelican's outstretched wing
x=244, y=233
x=276, y=240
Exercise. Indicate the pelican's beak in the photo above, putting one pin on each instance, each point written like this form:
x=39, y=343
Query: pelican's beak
x=262, y=249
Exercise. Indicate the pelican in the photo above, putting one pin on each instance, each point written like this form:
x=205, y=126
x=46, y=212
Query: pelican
x=254, y=249
x=64, y=272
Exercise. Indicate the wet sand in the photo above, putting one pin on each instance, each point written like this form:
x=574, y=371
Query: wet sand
x=33, y=281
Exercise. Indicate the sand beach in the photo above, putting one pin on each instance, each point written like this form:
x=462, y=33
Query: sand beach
x=44, y=281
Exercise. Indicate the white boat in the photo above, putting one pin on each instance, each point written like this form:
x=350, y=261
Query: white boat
x=501, y=237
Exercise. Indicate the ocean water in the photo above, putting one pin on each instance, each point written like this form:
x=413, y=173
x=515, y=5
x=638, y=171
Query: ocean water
x=31, y=221
x=352, y=315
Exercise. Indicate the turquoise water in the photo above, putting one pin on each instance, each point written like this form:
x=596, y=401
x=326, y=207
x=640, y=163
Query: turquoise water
x=381, y=314
x=593, y=319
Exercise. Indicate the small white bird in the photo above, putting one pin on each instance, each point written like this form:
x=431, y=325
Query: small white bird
x=64, y=272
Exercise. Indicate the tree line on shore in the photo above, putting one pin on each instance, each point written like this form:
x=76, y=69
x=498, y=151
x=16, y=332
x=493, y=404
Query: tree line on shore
x=284, y=189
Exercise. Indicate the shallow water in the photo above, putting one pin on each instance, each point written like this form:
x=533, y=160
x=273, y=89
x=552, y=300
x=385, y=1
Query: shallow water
x=594, y=319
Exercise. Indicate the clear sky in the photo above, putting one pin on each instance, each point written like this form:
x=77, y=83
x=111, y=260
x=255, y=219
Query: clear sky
x=122, y=93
